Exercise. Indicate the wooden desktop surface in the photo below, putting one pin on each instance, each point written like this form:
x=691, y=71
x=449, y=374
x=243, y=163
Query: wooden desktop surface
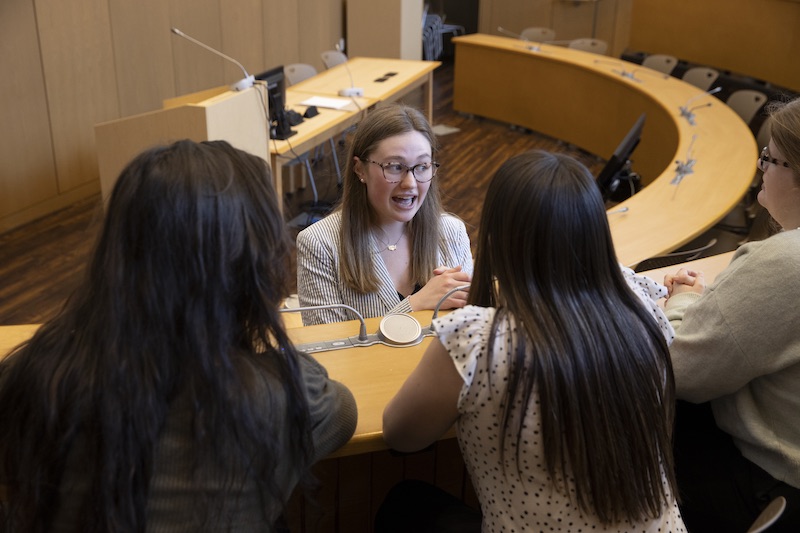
x=382, y=79
x=584, y=99
x=311, y=132
x=314, y=131
x=374, y=373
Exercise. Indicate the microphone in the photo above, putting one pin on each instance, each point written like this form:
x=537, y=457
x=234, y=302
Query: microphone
x=353, y=90
x=445, y=297
x=632, y=73
x=684, y=168
x=397, y=329
x=511, y=34
x=362, y=334
x=531, y=47
x=688, y=112
x=240, y=85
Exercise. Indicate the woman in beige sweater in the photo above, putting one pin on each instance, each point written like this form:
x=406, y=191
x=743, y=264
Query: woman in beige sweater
x=737, y=354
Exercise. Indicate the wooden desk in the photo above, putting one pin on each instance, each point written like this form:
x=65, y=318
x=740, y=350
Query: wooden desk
x=583, y=99
x=331, y=122
x=367, y=72
x=311, y=132
x=373, y=373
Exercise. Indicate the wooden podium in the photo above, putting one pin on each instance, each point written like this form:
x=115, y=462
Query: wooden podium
x=239, y=117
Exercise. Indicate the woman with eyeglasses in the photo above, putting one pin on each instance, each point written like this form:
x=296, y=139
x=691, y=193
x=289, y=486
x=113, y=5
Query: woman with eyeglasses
x=389, y=248
x=737, y=355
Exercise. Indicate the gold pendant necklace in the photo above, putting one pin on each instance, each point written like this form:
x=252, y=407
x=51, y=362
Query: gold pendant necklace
x=390, y=247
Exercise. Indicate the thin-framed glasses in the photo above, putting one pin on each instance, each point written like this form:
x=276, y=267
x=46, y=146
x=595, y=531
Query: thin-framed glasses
x=764, y=158
x=393, y=172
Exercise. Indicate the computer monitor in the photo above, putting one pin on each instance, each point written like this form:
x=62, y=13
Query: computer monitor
x=616, y=180
x=276, y=98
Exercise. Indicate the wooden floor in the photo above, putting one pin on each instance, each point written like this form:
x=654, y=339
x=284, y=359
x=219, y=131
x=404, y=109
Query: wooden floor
x=41, y=262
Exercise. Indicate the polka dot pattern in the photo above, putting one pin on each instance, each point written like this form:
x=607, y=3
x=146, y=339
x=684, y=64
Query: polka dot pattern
x=515, y=496
x=649, y=292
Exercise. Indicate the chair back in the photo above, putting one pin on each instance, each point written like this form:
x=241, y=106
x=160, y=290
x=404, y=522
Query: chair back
x=661, y=62
x=538, y=34
x=769, y=515
x=589, y=44
x=747, y=103
x=701, y=77
x=331, y=58
x=297, y=72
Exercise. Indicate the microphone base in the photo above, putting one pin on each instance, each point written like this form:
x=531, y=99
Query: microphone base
x=688, y=115
x=244, y=83
x=351, y=91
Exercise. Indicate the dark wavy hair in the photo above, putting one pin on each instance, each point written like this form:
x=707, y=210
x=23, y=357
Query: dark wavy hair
x=588, y=350
x=180, y=300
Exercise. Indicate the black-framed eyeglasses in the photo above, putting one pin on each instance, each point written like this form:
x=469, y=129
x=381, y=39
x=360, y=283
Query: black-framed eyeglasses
x=764, y=158
x=393, y=172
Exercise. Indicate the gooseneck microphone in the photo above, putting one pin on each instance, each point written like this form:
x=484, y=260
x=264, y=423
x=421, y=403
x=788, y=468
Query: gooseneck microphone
x=240, y=85
x=353, y=90
x=362, y=334
x=396, y=329
x=445, y=297
x=684, y=168
x=688, y=112
x=511, y=34
x=532, y=47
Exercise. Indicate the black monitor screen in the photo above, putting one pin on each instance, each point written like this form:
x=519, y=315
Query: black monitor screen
x=614, y=172
x=276, y=95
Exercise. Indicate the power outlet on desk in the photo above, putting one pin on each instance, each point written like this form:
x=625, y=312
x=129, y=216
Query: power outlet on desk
x=351, y=91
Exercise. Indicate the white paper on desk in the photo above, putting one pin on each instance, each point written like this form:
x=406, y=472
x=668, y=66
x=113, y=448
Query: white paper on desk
x=332, y=103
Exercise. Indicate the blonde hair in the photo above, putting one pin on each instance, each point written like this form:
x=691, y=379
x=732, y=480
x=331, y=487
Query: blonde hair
x=358, y=216
x=785, y=131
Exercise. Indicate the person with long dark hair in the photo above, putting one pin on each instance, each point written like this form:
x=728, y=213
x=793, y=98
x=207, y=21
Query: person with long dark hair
x=166, y=395
x=556, y=376
x=389, y=247
x=737, y=361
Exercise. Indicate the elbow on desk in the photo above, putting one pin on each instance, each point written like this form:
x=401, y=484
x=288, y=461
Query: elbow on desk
x=397, y=437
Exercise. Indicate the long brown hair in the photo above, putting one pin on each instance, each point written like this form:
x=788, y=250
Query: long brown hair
x=589, y=352
x=358, y=216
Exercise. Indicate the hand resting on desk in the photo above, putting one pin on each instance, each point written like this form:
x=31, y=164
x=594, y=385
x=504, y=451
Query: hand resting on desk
x=685, y=280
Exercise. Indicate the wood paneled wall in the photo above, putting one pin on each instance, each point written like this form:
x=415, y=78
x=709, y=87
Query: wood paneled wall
x=571, y=19
x=755, y=38
x=70, y=65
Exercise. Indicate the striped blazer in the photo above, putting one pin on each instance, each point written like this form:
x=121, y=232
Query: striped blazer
x=318, y=283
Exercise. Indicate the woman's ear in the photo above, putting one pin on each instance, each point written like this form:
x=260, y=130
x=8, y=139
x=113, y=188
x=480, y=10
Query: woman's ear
x=358, y=168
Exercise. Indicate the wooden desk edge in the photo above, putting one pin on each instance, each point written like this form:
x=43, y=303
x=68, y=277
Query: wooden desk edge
x=372, y=441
